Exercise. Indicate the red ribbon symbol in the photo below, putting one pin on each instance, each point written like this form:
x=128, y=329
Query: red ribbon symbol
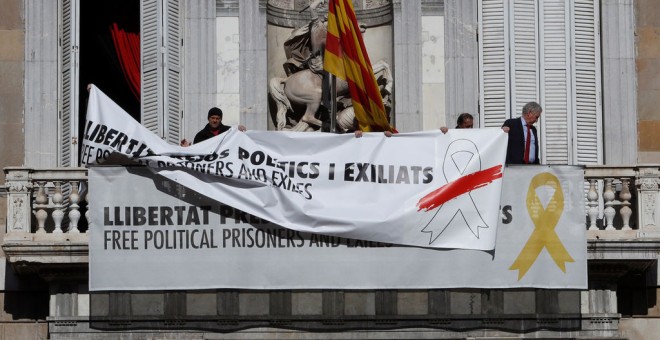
x=458, y=187
x=462, y=170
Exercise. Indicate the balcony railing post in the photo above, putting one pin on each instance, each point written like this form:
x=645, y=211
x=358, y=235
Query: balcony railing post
x=592, y=198
x=19, y=186
x=74, y=213
x=88, y=214
x=608, y=198
x=624, y=197
x=648, y=183
x=58, y=213
x=41, y=203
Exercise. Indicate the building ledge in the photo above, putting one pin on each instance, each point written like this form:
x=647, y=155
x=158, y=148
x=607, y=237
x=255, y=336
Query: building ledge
x=28, y=252
x=623, y=249
x=31, y=253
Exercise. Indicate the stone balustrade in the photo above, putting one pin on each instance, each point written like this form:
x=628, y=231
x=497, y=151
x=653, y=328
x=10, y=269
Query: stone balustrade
x=45, y=200
x=617, y=198
x=622, y=199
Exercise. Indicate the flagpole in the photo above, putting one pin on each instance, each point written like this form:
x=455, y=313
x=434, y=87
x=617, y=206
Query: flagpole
x=333, y=102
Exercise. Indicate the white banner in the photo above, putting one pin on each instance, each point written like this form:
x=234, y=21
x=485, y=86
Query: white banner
x=423, y=189
x=150, y=233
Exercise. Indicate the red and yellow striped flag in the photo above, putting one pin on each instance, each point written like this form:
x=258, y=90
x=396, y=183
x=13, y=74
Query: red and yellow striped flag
x=346, y=57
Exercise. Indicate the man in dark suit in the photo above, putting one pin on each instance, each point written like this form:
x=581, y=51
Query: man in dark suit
x=523, y=145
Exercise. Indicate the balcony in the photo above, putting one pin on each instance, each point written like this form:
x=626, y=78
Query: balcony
x=47, y=215
x=43, y=214
x=47, y=221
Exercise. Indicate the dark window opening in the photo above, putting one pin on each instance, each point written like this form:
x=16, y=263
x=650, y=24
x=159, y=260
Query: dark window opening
x=637, y=291
x=99, y=61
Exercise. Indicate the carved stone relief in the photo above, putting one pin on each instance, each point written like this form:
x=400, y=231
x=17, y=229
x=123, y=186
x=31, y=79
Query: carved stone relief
x=648, y=183
x=17, y=217
x=648, y=209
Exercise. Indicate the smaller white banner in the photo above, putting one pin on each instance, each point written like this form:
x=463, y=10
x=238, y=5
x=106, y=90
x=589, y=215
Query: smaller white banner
x=150, y=233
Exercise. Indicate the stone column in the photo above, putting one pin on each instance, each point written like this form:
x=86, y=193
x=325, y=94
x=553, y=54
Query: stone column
x=253, y=63
x=461, y=55
x=199, y=54
x=408, y=65
x=619, y=82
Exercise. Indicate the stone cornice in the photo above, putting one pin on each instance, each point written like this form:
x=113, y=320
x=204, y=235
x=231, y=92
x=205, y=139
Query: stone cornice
x=34, y=253
x=433, y=7
x=284, y=17
x=623, y=249
x=31, y=253
x=610, y=260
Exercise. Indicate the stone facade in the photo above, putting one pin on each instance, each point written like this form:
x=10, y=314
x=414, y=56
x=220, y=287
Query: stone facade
x=25, y=306
x=647, y=15
x=12, y=62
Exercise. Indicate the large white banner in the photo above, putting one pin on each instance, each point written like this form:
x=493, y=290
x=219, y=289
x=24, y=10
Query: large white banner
x=150, y=233
x=424, y=189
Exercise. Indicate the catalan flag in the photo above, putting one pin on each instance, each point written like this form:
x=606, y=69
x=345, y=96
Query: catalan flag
x=346, y=57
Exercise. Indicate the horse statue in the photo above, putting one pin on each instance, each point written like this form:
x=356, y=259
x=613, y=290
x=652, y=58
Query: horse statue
x=298, y=96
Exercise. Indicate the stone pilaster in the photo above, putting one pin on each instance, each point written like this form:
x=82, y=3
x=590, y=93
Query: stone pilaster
x=18, y=185
x=648, y=185
x=408, y=65
x=253, y=63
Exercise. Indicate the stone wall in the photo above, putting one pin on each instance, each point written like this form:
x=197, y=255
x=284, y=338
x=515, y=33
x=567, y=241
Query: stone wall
x=23, y=314
x=11, y=92
x=514, y=311
x=647, y=16
x=12, y=35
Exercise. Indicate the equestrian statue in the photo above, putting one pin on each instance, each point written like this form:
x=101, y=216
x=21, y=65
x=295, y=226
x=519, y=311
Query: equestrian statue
x=299, y=95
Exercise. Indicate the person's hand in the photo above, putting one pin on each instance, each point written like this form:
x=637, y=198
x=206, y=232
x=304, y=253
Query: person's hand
x=184, y=142
x=89, y=87
x=388, y=133
x=358, y=133
x=444, y=129
x=505, y=129
x=242, y=128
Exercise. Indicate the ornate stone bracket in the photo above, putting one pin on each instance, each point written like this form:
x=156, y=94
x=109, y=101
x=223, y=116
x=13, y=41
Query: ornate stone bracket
x=648, y=185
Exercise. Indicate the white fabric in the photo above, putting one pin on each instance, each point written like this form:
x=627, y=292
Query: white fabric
x=242, y=251
x=365, y=188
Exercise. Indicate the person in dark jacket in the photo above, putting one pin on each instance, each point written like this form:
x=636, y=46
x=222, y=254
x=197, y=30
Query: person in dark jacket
x=464, y=121
x=523, y=147
x=212, y=129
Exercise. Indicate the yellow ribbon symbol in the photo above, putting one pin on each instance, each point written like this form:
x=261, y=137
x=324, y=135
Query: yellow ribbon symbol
x=545, y=221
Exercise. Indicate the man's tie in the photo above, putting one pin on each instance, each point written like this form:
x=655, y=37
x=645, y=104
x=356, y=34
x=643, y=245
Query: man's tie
x=528, y=142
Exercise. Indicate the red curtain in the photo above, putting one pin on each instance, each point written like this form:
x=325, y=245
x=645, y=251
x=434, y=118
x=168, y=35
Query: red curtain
x=127, y=46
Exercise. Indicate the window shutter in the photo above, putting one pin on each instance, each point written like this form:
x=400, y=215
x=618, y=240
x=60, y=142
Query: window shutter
x=524, y=56
x=172, y=87
x=554, y=59
x=69, y=83
x=493, y=62
x=151, y=57
x=586, y=82
x=555, y=82
x=160, y=81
